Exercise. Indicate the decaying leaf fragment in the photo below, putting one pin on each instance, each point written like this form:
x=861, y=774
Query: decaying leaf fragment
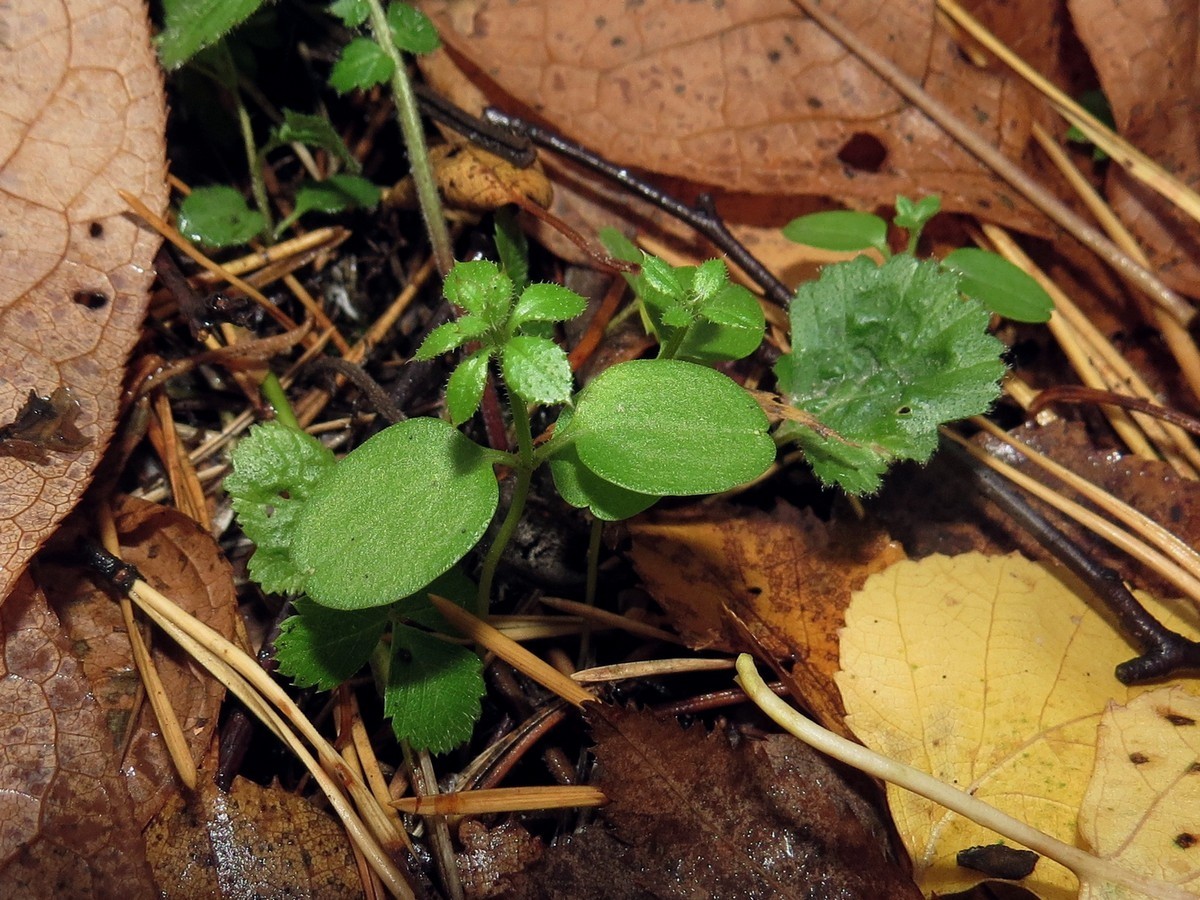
x=1142, y=806
x=81, y=117
x=991, y=674
x=471, y=178
x=43, y=425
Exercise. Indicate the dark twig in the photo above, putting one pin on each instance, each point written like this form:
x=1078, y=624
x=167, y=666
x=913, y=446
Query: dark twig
x=702, y=216
x=496, y=139
x=357, y=375
x=1163, y=652
x=1075, y=393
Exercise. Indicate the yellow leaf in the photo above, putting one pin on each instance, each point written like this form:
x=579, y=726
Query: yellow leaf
x=1142, y=806
x=991, y=674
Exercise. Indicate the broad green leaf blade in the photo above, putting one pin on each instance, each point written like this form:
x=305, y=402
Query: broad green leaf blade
x=352, y=12
x=361, y=66
x=218, y=216
x=536, y=370
x=670, y=427
x=464, y=391
x=393, y=515
x=839, y=229
x=412, y=30
x=441, y=340
x=584, y=489
x=433, y=690
x=191, y=25
x=454, y=586
x=321, y=647
x=275, y=471
x=312, y=131
x=999, y=285
x=479, y=287
x=883, y=355
x=546, y=303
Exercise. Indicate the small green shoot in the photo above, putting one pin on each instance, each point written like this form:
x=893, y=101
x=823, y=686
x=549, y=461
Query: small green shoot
x=1095, y=102
x=219, y=216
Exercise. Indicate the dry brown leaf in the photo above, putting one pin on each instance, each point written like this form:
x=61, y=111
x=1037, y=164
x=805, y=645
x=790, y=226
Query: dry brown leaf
x=489, y=855
x=786, y=574
x=694, y=815
x=1142, y=806
x=755, y=97
x=468, y=177
x=252, y=842
x=67, y=825
x=1145, y=55
x=991, y=674
x=176, y=556
x=81, y=116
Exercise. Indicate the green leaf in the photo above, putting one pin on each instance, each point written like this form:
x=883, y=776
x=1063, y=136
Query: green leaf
x=670, y=427
x=441, y=340
x=536, y=370
x=710, y=276
x=512, y=247
x=883, y=355
x=393, y=515
x=913, y=217
x=321, y=647
x=839, y=229
x=275, y=471
x=546, y=303
x=454, y=586
x=464, y=391
x=218, y=216
x=352, y=12
x=312, y=131
x=999, y=285
x=1095, y=102
x=479, y=287
x=584, y=489
x=412, y=30
x=191, y=25
x=334, y=194
x=662, y=277
x=433, y=690
x=361, y=65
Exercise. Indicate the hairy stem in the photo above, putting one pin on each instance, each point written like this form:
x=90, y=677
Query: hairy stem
x=414, y=141
x=525, y=466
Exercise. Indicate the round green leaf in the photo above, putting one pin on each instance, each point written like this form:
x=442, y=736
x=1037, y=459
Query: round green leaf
x=536, y=370
x=670, y=427
x=393, y=515
x=999, y=285
x=218, y=216
x=838, y=229
x=584, y=489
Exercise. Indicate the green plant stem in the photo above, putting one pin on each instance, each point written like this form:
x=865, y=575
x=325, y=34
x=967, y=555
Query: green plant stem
x=414, y=141
x=671, y=348
x=226, y=74
x=525, y=466
x=593, y=578
x=274, y=394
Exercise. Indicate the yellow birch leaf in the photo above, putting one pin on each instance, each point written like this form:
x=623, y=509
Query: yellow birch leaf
x=991, y=674
x=1142, y=806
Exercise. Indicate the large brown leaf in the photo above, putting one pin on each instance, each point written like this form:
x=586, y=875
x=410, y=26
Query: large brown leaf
x=81, y=116
x=66, y=823
x=753, y=96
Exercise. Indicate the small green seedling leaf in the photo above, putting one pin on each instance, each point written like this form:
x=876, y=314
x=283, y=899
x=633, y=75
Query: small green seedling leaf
x=275, y=471
x=670, y=427
x=441, y=340
x=394, y=514
x=842, y=230
x=709, y=278
x=512, y=247
x=536, y=370
x=883, y=355
x=312, y=131
x=412, y=30
x=189, y=26
x=361, y=65
x=999, y=285
x=464, y=391
x=433, y=690
x=546, y=303
x=584, y=489
x=913, y=217
x=352, y=12
x=321, y=647
x=335, y=194
x=218, y=216
x=479, y=287
x=662, y=277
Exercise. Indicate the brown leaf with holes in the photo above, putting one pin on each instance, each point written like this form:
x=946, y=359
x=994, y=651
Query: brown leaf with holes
x=755, y=97
x=786, y=574
x=1145, y=55
x=696, y=814
x=67, y=825
x=81, y=117
x=176, y=556
x=252, y=842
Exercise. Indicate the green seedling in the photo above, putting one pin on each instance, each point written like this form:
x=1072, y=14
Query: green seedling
x=987, y=277
x=366, y=536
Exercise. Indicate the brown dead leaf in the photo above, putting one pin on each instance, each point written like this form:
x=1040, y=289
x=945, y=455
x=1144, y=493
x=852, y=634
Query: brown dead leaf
x=1145, y=56
x=692, y=815
x=786, y=574
x=754, y=96
x=81, y=116
x=489, y=855
x=252, y=842
x=469, y=177
x=68, y=828
x=176, y=556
